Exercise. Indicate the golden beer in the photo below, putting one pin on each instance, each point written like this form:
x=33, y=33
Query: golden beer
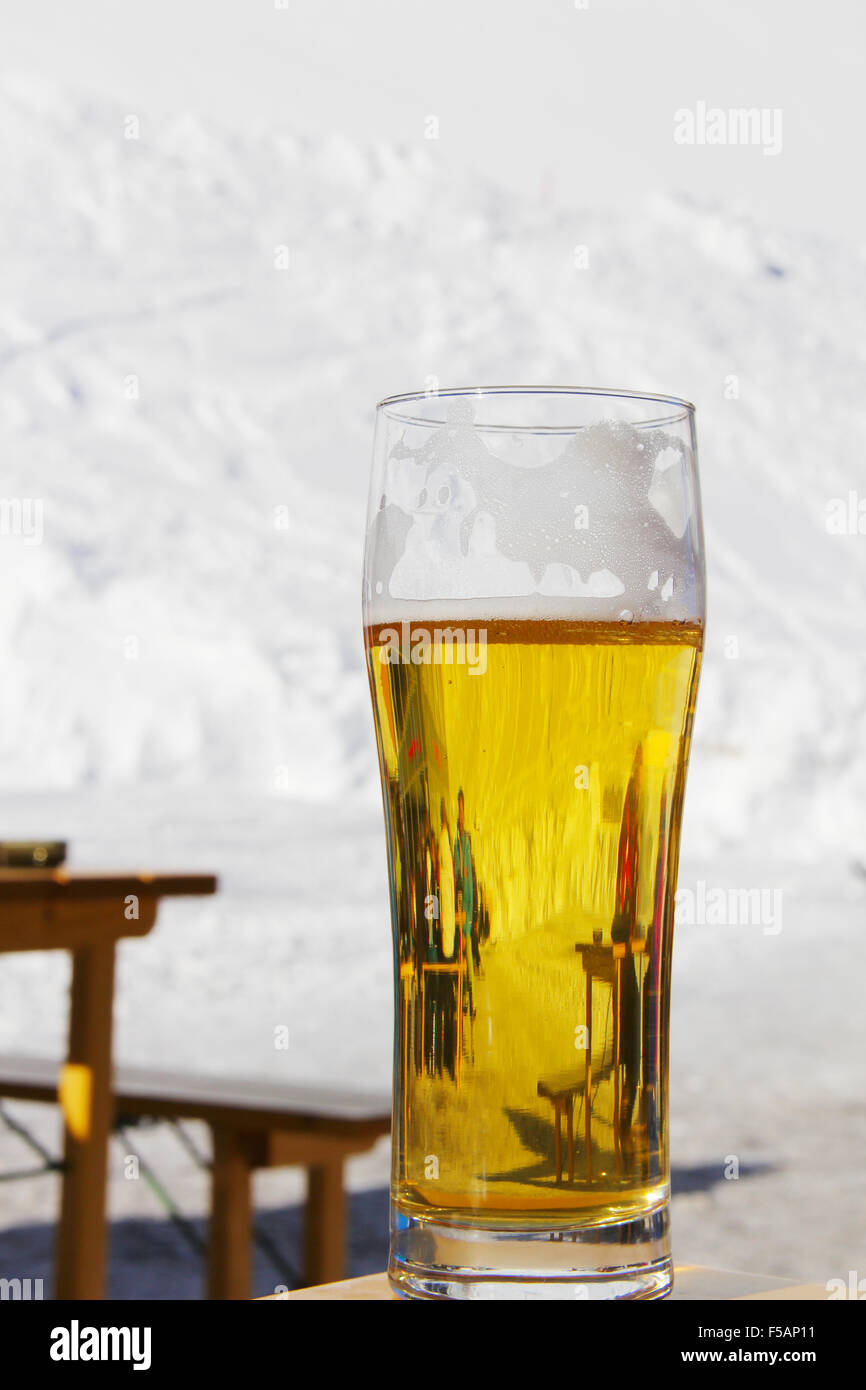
x=534, y=773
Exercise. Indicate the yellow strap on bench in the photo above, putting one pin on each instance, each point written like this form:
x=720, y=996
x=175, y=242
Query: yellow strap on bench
x=75, y=1093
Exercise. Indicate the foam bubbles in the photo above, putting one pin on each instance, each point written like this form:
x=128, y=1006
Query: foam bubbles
x=586, y=523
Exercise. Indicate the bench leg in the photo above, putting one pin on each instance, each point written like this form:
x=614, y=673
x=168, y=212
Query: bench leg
x=230, y=1240
x=325, y=1233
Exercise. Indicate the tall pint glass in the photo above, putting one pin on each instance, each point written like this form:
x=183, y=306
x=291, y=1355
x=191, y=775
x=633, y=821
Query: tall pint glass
x=533, y=619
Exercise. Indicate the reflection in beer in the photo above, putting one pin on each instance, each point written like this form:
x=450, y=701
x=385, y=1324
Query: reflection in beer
x=534, y=914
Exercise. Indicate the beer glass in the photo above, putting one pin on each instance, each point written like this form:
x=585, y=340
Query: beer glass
x=533, y=621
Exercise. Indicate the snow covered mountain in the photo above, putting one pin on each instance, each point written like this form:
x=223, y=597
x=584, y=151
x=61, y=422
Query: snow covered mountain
x=194, y=328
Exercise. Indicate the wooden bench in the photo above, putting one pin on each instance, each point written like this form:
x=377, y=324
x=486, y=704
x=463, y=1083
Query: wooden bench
x=253, y=1125
x=563, y=1090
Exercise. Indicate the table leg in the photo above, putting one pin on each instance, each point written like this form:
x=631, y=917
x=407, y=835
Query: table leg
x=85, y=1099
x=409, y=1055
x=229, y=1257
x=325, y=1233
x=617, y=1081
x=557, y=1142
x=569, y=1118
x=587, y=1094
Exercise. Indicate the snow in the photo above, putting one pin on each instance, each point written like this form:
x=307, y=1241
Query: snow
x=195, y=326
x=196, y=424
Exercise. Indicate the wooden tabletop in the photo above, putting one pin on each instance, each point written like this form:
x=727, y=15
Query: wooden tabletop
x=16, y=884
x=691, y=1282
x=67, y=909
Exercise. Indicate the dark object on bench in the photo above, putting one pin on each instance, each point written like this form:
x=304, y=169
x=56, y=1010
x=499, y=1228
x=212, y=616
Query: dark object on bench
x=253, y=1125
x=32, y=854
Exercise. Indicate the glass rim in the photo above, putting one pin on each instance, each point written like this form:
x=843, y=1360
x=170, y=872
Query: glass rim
x=681, y=408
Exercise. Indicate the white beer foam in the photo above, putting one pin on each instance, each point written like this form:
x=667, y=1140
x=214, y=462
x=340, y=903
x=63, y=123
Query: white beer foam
x=595, y=524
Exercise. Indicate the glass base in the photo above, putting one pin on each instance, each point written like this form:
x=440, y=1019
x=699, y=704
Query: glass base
x=626, y=1259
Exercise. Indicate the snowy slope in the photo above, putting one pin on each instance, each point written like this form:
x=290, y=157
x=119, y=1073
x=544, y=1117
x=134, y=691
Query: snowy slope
x=196, y=421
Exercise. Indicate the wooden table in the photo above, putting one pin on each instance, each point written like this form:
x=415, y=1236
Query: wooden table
x=87, y=914
x=691, y=1282
x=602, y=963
